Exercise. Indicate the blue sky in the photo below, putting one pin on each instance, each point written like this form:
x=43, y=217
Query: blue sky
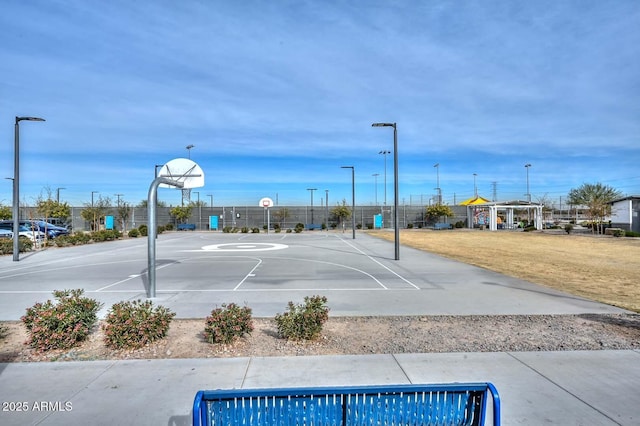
x=276, y=96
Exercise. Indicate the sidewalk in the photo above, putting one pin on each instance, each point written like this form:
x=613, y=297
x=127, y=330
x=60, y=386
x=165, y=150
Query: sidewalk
x=564, y=388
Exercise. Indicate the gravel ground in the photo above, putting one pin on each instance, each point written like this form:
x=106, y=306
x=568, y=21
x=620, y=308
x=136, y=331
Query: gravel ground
x=366, y=335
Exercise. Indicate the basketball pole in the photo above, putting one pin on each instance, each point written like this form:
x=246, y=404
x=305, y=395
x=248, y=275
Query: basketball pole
x=152, y=230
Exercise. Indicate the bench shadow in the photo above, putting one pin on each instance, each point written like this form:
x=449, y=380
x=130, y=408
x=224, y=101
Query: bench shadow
x=180, y=420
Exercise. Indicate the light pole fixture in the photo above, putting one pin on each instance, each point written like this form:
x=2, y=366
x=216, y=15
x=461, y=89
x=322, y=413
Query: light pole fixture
x=528, y=194
x=189, y=147
x=311, y=190
x=437, y=166
x=58, y=194
x=395, y=184
x=118, y=202
x=16, y=185
x=353, y=198
x=210, y=199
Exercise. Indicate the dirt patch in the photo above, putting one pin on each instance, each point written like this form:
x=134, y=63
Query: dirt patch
x=364, y=335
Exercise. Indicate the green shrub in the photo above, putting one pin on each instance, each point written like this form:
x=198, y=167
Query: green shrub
x=226, y=229
x=459, y=224
x=168, y=227
x=228, y=323
x=619, y=233
x=24, y=245
x=631, y=234
x=255, y=230
x=289, y=230
x=160, y=229
x=134, y=233
x=144, y=231
x=568, y=228
x=245, y=230
x=105, y=235
x=299, y=228
x=303, y=322
x=132, y=325
x=63, y=324
x=409, y=225
x=3, y=331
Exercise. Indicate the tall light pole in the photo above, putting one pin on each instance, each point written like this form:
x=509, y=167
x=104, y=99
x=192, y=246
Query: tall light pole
x=437, y=166
x=326, y=204
x=93, y=211
x=199, y=209
x=16, y=185
x=475, y=187
x=384, y=152
x=528, y=194
x=375, y=176
x=189, y=147
x=311, y=190
x=395, y=184
x=58, y=194
x=353, y=198
x=211, y=207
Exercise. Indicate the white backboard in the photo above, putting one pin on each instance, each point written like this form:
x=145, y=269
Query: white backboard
x=182, y=170
x=266, y=202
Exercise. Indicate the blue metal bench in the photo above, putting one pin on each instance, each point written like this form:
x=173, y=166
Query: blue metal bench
x=186, y=227
x=444, y=404
x=440, y=226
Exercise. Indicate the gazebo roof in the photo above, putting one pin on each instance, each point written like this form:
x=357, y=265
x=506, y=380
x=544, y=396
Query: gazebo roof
x=475, y=200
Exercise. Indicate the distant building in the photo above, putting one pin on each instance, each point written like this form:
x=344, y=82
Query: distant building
x=625, y=213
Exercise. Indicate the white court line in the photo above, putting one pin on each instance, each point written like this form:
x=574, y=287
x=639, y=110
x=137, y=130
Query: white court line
x=374, y=260
x=250, y=274
x=62, y=268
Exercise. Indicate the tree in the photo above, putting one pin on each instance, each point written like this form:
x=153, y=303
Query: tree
x=435, y=212
x=181, y=213
x=342, y=212
x=5, y=212
x=281, y=216
x=48, y=207
x=143, y=204
x=94, y=213
x=124, y=209
x=596, y=198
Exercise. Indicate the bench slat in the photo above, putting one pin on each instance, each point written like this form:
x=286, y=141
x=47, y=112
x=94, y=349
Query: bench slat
x=449, y=404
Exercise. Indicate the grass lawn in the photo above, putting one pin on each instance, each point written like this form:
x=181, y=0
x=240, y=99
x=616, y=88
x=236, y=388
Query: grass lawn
x=605, y=269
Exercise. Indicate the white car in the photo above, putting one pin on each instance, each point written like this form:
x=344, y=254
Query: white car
x=5, y=234
x=33, y=235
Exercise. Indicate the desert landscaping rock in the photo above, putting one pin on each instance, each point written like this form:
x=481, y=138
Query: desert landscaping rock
x=365, y=335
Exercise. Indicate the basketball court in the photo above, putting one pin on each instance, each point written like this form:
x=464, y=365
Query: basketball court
x=199, y=271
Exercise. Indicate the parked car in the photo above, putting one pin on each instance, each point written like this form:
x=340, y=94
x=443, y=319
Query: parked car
x=52, y=231
x=25, y=231
x=4, y=234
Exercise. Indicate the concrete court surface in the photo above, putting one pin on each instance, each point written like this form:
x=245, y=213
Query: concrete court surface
x=359, y=278
x=197, y=272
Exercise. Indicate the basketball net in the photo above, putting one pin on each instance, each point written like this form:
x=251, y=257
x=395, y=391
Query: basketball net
x=186, y=195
